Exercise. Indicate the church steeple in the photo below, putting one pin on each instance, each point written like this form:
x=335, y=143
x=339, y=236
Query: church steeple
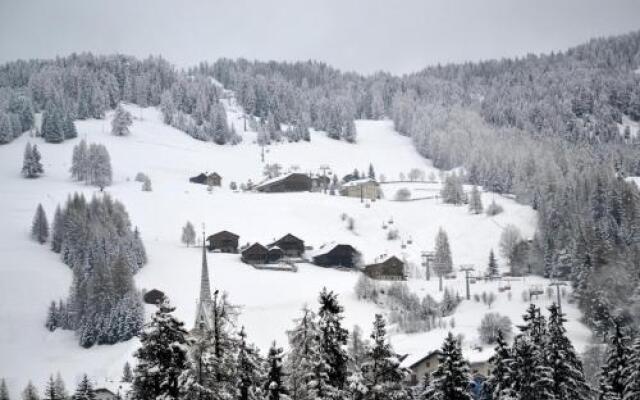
x=205, y=286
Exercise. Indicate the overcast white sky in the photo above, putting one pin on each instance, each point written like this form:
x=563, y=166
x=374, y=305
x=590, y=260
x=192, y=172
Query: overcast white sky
x=363, y=35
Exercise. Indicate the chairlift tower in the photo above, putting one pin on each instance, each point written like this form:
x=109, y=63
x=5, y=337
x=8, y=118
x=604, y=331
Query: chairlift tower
x=427, y=258
x=557, y=284
x=467, y=268
x=324, y=168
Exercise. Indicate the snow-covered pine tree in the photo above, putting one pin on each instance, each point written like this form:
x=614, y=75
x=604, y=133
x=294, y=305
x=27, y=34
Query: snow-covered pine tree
x=52, y=317
x=162, y=357
x=492, y=268
x=121, y=121
x=566, y=368
x=498, y=385
x=6, y=130
x=31, y=165
x=57, y=230
x=40, y=226
x=60, y=387
x=52, y=123
x=475, y=202
x=4, y=391
x=632, y=373
x=449, y=381
x=349, y=132
x=303, y=356
x=99, y=170
x=275, y=387
x=51, y=390
x=84, y=390
x=333, y=339
x=70, y=131
x=372, y=173
x=127, y=375
x=452, y=192
x=80, y=161
x=250, y=374
x=30, y=392
x=358, y=348
x=382, y=376
x=188, y=234
x=616, y=365
x=443, y=258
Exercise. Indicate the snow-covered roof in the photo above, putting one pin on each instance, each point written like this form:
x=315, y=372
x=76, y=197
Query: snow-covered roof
x=359, y=182
x=472, y=355
x=276, y=179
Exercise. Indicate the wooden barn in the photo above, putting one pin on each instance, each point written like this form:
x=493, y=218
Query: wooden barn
x=224, y=242
x=275, y=254
x=364, y=188
x=391, y=269
x=212, y=179
x=339, y=255
x=292, y=246
x=255, y=254
x=293, y=182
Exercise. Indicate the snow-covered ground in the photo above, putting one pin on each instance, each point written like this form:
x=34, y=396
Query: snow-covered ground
x=31, y=275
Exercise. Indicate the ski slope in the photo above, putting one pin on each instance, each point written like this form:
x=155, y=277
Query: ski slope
x=31, y=275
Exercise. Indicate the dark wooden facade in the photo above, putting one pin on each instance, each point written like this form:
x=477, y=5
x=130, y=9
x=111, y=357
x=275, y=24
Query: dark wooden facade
x=255, y=254
x=292, y=246
x=391, y=269
x=275, y=254
x=212, y=179
x=223, y=241
x=295, y=182
x=341, y=255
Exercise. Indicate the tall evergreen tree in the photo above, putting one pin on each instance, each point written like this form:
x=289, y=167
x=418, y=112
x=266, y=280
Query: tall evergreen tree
x=249, y=370
x=30, y=392
x=568, y=378
x=632, y=373
x=475, y=202
x=31, y=165
x=333, y=339
x=4, y=392
x=443, y=260
x=492, y=268
x=57, y=230
x=303, y=358
x=127, y=375
x=382, y=376
x=162, y=357
x=121, y=121
x=616, y=364
x=52, y=123
x=275, y=388
x=450, y=379
x=61, y=389
x=84, y=390
x=40, y=226
x=500, y=381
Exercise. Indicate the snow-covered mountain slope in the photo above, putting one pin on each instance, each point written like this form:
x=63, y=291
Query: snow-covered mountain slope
x=31, y=275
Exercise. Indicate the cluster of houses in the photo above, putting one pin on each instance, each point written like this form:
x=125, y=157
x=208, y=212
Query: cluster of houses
x=291, y=247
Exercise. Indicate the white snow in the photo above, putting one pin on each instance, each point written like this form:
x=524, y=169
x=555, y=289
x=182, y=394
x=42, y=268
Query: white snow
x=32, y=276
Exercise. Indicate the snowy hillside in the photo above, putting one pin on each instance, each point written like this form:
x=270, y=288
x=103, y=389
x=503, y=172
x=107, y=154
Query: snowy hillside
x=32, y=275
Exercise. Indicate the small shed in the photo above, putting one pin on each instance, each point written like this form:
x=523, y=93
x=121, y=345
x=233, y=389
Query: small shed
x=223, y=241
x=154, y=296
x=212, y=179
x=292, y=182
x=291, y=245
x=340, y=255
x=391, y=269
x=255, y=254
